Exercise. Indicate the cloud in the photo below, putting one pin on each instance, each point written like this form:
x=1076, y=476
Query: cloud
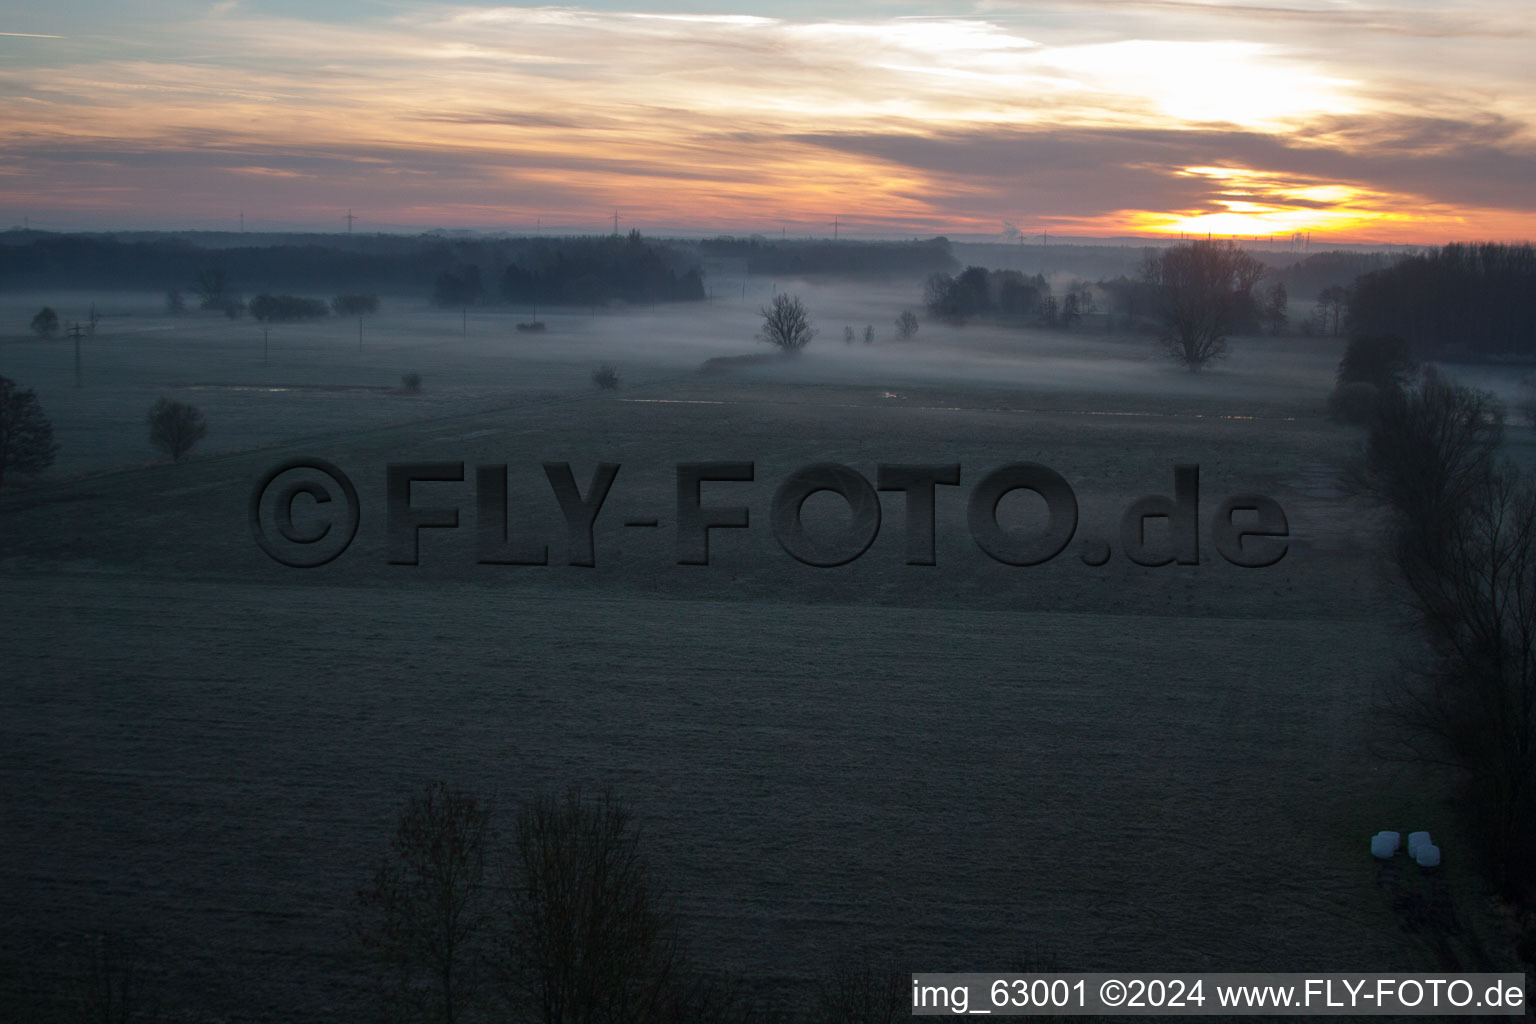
x=1076, y=114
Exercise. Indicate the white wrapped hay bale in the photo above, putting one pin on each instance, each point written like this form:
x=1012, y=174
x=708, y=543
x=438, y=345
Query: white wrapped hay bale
x=1415, y=840
x=1384, y=845
x=1427, y=855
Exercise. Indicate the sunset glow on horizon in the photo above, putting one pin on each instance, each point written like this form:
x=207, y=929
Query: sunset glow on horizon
x=1402, y=123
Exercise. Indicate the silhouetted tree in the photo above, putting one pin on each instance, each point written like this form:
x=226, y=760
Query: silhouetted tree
x=1463, y=533
x=1277, y=308
x=786, y=324
x=848, y=335
x=906, y=324
x=587, y=937
x=1332, y=305
x=213, y=288
x=26, y=436
x=1070, y=312
x=424, y=916
x=175, y=427
x=174, y=303
x=1204, y=291
x=46, y=323
x=1382, y=360
x=410, y=383
x=869, y=334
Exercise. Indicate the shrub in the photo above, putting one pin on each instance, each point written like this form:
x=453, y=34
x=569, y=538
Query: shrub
x=534, y=326
x=606, y=377
x=46, y=323
x=175, y=427
x=906, y=324
x=869, y=334
x=411, y=383
x=174, y=302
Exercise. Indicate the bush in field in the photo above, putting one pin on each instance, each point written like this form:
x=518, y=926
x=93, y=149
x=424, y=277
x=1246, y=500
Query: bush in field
x=26, y=436
x=906, y=324
x=531, y=327
x=869, y=334
x=175, y=427
x=410, y=383
x=174, y=302
x=606, y=377
x=46, y=323
x=786, y=324
x=424, y=917
x=269, y=308
x=847, y=335
x=355, y=305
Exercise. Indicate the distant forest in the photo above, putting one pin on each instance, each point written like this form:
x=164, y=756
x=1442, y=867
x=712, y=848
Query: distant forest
x=454, y=271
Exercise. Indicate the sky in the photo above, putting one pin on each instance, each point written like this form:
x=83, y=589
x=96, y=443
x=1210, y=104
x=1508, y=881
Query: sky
x=1409, y=122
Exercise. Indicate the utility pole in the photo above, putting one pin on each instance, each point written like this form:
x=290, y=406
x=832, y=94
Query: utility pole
x=834, y=229
x=242, y=222
x=464, y=313
x=359, y=332
x=74, y=332
x=615, y=223
x=349, y=219
x=264, y=346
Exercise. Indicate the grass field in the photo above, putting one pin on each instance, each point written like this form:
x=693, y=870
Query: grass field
x=965, y=766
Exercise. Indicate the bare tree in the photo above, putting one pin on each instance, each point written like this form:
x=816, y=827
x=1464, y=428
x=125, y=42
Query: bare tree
x=906, y=324
x=26, y=436
x=786, y=324
x=1277, y=306
x=427, y=907
x=213, y=288
x=1332, y=304
x=1205, y=290
x=587, y=937
x=175, y=427
x=869, y=334
x=848, y=334
x=854, y=991
x=1463, y=534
